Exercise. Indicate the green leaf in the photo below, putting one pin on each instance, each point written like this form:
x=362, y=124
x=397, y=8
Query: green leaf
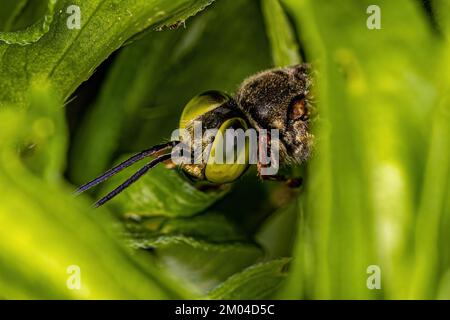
x=200, y=263
x=277, y=234
x=441, y=11
x=212, y=227
x=285, y=50
x=9, y=11
x=68, y=57
x=376, y=92
x=433, y=208
x=259, y=281
x=40, y=223
x=34, y=32
x=47, y=143
x=204, y=250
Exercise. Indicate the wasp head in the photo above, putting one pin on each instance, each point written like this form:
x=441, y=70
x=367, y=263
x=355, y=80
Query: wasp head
x=281, y=99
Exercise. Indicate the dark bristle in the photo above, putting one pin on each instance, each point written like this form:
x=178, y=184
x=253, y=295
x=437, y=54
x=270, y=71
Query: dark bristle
x=132, y=179
x=125, y=164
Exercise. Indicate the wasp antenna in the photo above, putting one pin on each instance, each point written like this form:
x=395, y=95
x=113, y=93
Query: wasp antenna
x=132, y=179
x=125, y=164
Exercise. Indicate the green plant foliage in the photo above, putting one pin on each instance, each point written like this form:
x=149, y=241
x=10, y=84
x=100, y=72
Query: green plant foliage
x=202, y=264
x=68, y=57
x=9, y=10
x=212, y=226
x=376, y=191
x=205, y=250
x=259, y=281
x=34, y=32
x=40, y=223
x=285, y=48
x=381, y=171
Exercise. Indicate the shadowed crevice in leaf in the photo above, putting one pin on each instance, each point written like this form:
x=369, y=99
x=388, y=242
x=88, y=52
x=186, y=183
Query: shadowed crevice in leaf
x=34, y=32
x=9, y=11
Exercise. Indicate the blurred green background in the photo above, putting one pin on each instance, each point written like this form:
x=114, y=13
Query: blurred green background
x=75, y=101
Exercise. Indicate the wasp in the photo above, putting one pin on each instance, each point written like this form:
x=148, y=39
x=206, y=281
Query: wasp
x=277, y=99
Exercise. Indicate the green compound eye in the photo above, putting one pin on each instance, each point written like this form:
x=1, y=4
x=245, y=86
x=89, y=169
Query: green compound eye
x=225, y=146
x=202, y=104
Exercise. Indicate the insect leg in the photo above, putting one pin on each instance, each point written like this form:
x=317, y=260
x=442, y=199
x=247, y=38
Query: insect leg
x=132, y=179
x=291, y=182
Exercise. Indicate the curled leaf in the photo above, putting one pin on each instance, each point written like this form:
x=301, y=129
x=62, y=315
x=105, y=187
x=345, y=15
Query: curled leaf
x=259, y=281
